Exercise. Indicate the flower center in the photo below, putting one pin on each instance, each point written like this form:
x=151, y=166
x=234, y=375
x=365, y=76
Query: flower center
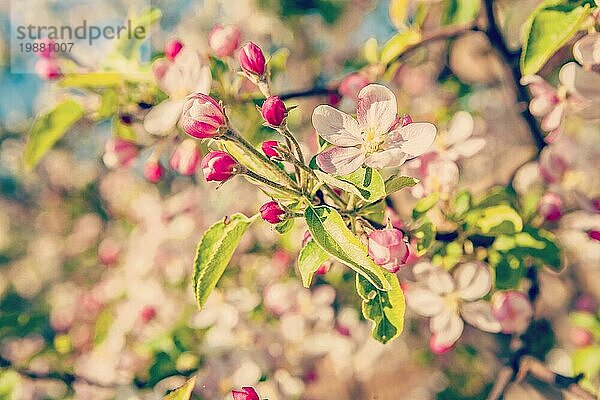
x=452, y=301
x=373, y=141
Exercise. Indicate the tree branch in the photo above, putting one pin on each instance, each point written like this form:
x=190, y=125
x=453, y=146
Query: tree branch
x=511, y=60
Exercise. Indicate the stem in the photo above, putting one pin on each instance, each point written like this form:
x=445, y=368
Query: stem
x=237, y=138
x=272, y=184
x=290, y=139
x=511, y=60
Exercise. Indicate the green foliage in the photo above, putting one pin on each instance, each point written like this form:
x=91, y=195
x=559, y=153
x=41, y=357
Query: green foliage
x=536, y=244
x=48, y=129
x=365, y=182
x=425, y=235
x=448, y=256
x=184, y=392
x=384, y=309
x=93, y=80
x=587, y=321
x=460, y=11
x=587, y=361
x=425, y=204
x=551, y=25
x=214, y=252
x=311, y=257
x=494, y=220
x=395, y=183
x=461, y=203
x=394, y=47
x=331, y=233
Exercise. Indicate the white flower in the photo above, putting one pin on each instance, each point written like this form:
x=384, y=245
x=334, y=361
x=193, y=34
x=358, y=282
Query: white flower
x=446, y=298
x=375, y=139
x=587, y=49
x=458, y=141
x=184, y=76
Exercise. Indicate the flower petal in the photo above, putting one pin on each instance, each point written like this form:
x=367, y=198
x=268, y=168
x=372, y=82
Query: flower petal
x=195, y=77
x=376, y=108
x=163, y=117
x=435, y=278
x=554, y=118
x=387, y=158
x=423, y=301
x=447, y=327
x=466, y=149
x=579, y=81
x=413, y=139
x=473, y=280
x=336, y=127
x=587, y=49
x=460, y=129
x=340, y=160
x=479, y=314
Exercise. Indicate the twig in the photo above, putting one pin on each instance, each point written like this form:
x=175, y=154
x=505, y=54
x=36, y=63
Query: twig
x=511, y=60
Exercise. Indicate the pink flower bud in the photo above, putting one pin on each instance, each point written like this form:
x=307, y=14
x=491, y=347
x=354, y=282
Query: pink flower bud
x=153, y=171
x=272, y=212
x=270, y=148
x=47, y=69
x=388, y=249
x=550, y=206
x=46, y=47
x=594, y=235
x=323, y=268
x=581, y=337
x=172, y=48
x=405, y=120
x=109, y=251
x=202, y=116
x=223, y=40
x=439, y=348
x=352, y=84
x=148, y=314
x=119, y=152
x=218, y=166
x=252, y=59
x=273, y=111
x=596, y=204
x=305, y=239
x=247, y=393
x=513, y=310
x=586, y=303
x=185, y=158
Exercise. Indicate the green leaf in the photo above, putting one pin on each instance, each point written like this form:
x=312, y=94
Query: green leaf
x=425, y=204
x=214, y=252
x=92, y=80
x=374, y=212
x=48, y=129
x=330, y=232
x=551, y=25
x=495, y=220
x=508, y=269
x=398, y=44
x=285, y=226
x=366, y=183
x=278, y=61
x=538, y=244
x=587, y=361
x=448, y=256
x=249, y=161
x=425, y=235
x=184, y=392
x=311, y=257
x=384, y=309
x=399, y=10
x=370, y=51
x=462, y=203
x=395, y=183
x=460, y=11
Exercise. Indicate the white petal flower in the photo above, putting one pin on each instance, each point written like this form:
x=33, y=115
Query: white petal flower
x=373, y=138
x=447, y=298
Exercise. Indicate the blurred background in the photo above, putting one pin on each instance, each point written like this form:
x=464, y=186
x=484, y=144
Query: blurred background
x=95, y=263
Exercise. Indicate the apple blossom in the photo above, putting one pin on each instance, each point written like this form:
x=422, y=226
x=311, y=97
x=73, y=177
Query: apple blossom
x=224, y=40
x=273, y=111
x=153, y=171
x=272, y=212
x=438, y=347
x=179, y=78
x=186, y=157
x=574, y=234
x=218, y=166
x=252, y=59
x=388, y=249
x=546, y=104
x=445, y=298
x=513, y=310
x=550, y=206
x=119, y=152
x=148, y=313
x=172, y=48
x=552, y=164
x=369, y=140
x=203, y=117
x=247, y=393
